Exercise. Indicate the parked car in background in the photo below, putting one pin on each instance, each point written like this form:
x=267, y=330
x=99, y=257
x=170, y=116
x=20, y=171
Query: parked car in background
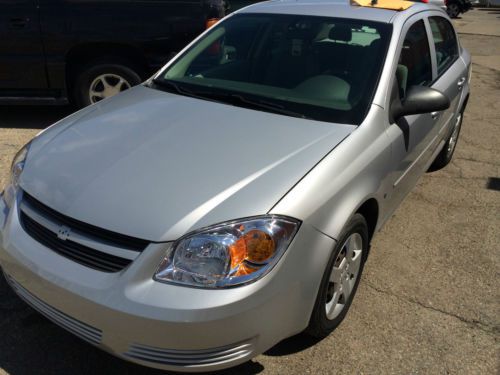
x=491, y=3
x=456, y=7
x=196, y=220
x=55, y=51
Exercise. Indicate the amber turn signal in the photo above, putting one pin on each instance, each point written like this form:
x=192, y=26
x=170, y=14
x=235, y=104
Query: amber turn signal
x=245, y=269
x=238, y=251
x=255, y=246
x=260, y=246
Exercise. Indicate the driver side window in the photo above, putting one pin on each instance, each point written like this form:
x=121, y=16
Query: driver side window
x=414, y=65
x=233, y=47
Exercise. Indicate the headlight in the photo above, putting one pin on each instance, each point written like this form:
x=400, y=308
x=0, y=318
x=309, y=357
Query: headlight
x=15, y=173
x=228, y=254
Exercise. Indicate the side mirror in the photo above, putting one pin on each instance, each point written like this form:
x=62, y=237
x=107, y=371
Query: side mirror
x=419, y=99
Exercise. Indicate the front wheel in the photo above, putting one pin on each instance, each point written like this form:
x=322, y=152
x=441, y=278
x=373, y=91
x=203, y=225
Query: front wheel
x=341, y=279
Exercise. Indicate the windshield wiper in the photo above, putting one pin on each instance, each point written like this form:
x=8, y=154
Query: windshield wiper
x=236, y=99
x=177, y=88
x=231, y=98
x=169, y=84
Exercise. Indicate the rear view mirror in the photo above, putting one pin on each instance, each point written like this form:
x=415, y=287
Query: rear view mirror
x=419, y=99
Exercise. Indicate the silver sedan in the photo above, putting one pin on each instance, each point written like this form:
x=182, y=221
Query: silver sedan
x=194, y=221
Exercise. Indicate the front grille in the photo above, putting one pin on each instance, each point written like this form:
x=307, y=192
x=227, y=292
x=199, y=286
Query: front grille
x=76, y=327
x=117, y=239
x=42, y=224
x=72, y=250
x=190, y=358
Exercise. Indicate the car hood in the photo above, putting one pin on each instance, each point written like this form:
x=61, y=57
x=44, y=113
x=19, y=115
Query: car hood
x=155, y=165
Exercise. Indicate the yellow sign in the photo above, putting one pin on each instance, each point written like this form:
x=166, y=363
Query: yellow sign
x=384, y=4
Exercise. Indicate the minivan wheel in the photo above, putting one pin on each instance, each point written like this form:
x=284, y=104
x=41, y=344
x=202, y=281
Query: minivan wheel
x=341, y=279
x=453, y=10
x=444, y=157
x=101, y=80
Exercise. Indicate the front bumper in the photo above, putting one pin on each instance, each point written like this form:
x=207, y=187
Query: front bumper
x=160, y=325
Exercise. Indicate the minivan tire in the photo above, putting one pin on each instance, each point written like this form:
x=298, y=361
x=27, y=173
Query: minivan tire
x=453, y=10
x=96, y=72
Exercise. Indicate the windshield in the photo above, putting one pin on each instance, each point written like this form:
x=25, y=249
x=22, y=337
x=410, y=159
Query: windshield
x=320, y=68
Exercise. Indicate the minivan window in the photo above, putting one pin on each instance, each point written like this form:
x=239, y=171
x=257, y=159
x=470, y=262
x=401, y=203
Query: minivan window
x=320, y=68
x=445, y=42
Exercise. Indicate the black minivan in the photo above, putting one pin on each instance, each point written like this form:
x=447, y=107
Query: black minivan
x=55, y=51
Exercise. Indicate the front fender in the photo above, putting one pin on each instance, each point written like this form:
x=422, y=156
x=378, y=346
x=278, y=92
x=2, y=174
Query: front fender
x=355, y=171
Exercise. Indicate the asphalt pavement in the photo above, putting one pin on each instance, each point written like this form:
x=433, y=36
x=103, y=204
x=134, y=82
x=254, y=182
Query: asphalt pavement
x=429, y=299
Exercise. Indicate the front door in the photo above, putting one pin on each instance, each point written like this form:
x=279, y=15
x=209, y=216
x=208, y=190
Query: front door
x=413, y=137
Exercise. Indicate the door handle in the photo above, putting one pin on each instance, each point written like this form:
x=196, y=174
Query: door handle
x=18, y=22
x=434, y=115
x=461, y=83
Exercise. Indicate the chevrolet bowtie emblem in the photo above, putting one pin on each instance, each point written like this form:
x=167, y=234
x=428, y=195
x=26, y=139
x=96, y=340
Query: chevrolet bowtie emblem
x=63, y=233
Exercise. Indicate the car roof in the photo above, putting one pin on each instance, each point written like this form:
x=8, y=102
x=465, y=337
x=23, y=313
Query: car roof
x=333, y=8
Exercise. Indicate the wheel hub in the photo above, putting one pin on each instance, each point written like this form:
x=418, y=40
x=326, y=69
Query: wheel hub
x=454, y=136
x=344, y=274
x=106, y=86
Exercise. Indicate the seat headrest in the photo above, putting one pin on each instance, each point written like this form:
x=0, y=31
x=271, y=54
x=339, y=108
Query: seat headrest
x=341, y=32
x=376, y=43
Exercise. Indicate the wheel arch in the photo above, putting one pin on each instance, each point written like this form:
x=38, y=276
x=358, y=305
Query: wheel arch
x=465, y=102
x=83, y=54
x=369, y=209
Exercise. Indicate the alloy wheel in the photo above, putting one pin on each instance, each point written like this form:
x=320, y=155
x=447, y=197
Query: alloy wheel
x=344, y=275
x=107, y=85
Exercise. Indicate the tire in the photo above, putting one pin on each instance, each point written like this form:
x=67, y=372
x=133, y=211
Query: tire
x=453, y=10
x=331, y=304
x=446, y=154
x=118, y=75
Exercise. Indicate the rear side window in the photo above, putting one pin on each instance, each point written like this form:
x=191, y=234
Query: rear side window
x=445, y=42
x=414, y=66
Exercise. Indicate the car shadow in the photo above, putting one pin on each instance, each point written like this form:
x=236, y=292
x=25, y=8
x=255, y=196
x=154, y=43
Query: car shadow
x=490, y=10
x=32, y=117
x=292, y=345
x=30, y=343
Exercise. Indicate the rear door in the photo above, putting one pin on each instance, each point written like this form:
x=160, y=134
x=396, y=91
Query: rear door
x=22, y=61
x=450, y=70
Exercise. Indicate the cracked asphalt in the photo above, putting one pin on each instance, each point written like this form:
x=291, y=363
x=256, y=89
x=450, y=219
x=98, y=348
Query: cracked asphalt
x=429, y=300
